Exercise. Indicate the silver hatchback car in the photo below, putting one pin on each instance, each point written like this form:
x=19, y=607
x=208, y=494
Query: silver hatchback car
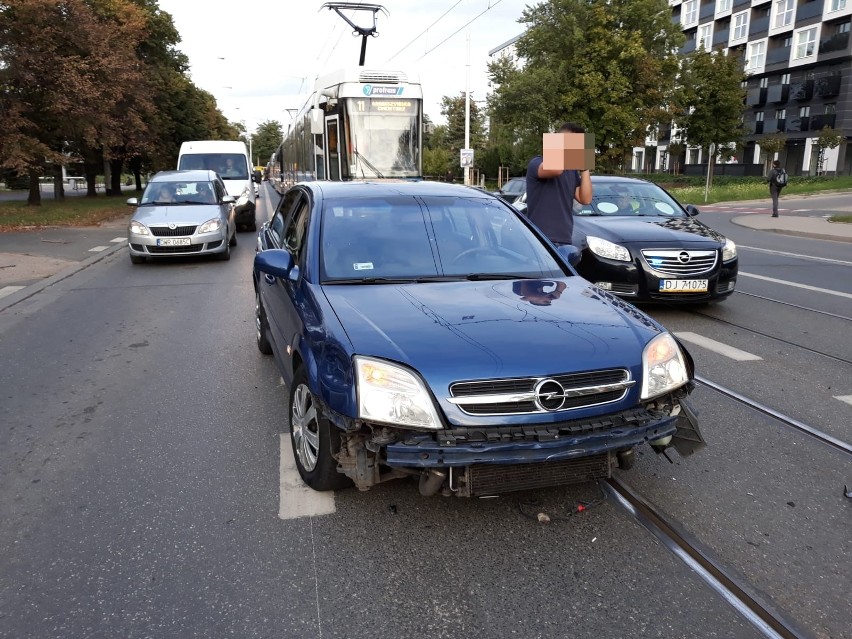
x=182, y=213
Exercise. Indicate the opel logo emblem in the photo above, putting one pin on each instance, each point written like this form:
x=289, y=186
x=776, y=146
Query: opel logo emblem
x=549, y=395
x=683, y=257
x=173, y=226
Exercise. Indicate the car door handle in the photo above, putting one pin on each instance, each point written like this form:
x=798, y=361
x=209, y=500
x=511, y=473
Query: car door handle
x=270, y=279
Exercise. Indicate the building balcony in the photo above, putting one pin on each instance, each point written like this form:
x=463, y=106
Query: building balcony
x=801, y=91
x=758, y=26
x=758, y=127
x=837, y=42
x=778, y=93
x=827, y=87
x=778, y=56
x=707, y=10
x=808, y=10
x=756, y=97
x=818, y=122
x=795, y=125
x=688, y=46
x=740, y=4
x=721, y=37
x=774, y=126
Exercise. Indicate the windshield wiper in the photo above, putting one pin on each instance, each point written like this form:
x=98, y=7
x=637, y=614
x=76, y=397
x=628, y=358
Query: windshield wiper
x=375, y=280
x=474, y=277
x=369, y=165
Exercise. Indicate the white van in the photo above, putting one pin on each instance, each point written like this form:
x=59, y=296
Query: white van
x=230, y=159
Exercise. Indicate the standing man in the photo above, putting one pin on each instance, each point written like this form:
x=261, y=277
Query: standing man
x=777, y=180
x=551, y=195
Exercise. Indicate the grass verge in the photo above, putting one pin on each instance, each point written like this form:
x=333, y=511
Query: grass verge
x=73, y=211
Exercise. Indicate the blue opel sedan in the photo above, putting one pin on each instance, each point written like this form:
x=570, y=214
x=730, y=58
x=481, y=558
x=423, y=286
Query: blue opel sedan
x=430, y=331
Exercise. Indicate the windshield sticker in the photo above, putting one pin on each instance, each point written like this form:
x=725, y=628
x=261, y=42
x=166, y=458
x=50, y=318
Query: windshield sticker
x=607, y=207
x=665, y=208
x=363, y=266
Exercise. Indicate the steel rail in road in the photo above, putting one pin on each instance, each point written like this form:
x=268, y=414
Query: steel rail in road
x=758, y=613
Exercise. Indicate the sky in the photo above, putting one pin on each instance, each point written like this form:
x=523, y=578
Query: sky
x=260, y=57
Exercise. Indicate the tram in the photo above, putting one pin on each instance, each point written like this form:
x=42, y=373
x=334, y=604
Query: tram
x=358, y=124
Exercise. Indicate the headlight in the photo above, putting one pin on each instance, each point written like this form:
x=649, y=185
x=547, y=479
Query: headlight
x=137, y=228
x=663, y=367
x=729, y=251
x=391, y=394
x=607, y=249
x=210, y=226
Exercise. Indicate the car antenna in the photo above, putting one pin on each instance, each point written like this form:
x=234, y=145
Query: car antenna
x=362, y=31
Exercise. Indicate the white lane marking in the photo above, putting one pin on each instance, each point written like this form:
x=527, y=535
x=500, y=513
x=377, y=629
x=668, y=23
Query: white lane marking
x=844, y=398
x=295, y=498
x=798, y=255
x=98, y=249
x=116, y=240
x=795, y=285
x=8, y=290
x=717, y=347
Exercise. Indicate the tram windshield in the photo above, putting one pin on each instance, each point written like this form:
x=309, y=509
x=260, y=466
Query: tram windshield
x=384, y=137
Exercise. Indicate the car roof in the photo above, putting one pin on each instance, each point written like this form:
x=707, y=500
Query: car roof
x=618, y=179
x=197, y=175
x=355, y=189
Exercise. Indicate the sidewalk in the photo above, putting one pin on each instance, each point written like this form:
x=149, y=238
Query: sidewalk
x=804, y=226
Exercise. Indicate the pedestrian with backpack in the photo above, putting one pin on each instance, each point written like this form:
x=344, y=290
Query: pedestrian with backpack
x=777, y=180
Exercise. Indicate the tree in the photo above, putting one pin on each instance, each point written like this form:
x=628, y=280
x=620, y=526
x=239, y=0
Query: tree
x=829, y=138
x=453, y=108
x=770, y=145
x=609, y=65
x=266, y=140
x=711, y=101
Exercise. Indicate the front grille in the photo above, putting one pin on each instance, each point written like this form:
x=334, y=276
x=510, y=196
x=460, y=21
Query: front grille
x=682, y=263
x=519, y=396
x=178, y=231
x=383, y=77
x=493, y=479
x=165, y=250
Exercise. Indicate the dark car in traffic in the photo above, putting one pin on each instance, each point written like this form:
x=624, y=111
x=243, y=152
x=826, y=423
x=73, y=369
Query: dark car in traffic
x=640, y=243
x=430, y=331
x=513, y=189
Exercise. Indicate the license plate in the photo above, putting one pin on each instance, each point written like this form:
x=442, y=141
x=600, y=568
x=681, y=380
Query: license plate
x=173, y=241
x=683, y=286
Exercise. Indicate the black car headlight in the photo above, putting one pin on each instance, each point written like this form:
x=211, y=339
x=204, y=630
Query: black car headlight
x=609, y=250
x=394, y=395
x=729, y=251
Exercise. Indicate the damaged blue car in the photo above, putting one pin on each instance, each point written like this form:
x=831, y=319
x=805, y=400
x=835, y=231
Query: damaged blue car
x=430, y=331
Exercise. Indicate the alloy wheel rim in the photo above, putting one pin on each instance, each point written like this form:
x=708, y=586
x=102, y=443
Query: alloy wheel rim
x=305, y=428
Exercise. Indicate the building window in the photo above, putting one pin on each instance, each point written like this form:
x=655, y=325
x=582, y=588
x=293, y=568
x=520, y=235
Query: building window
x=785, y=79
x=805, y=43
x=781, y=114
x=764, y=82
x=804, y=111
x=788, y=42
x=830, y=108
x=843, y=27
x=740, y=25
x=756, y=57
x=705, y=36
x=689, y=12
x=784, y=13
x=723, y=5
x=758, y=117
x=837, y=5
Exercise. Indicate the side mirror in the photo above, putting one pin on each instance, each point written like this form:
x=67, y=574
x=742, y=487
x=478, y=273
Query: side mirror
x=569, y=253
x=132, y=202
x=316, y=121
x=275, y=262
x=691, y=210
x=228, y=199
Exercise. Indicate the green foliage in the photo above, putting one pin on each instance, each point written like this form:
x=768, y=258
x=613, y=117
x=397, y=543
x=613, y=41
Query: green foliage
x=772, y=143
x=829, y=138
x=266, y=140
x=437, y=162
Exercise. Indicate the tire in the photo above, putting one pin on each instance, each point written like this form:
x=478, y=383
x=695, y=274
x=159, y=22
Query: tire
x=233, y=241
x=137, y=259
x=252, y=226
x=261, y=327
x=314, y=439
x=225, y=255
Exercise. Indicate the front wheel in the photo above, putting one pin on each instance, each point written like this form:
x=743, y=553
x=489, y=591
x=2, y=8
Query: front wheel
x=314, y=439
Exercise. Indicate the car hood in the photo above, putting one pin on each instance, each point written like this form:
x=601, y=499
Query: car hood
x=235, y=187
x=476, y=330
x=180, y=214
x=679, y=230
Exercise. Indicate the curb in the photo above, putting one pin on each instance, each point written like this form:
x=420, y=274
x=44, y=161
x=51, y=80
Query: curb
x=19, y=296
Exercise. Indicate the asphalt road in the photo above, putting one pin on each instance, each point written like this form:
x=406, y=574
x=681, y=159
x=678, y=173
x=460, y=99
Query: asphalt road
x=146, y=490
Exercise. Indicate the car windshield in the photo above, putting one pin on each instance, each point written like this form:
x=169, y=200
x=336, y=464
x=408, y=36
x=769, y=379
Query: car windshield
x=452, y=237
x=179, y=193
x=630, y=198
x=230, y=166
x=515, y=186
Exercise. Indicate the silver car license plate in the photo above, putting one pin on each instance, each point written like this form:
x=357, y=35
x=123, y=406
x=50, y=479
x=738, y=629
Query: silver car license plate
x=173, y=241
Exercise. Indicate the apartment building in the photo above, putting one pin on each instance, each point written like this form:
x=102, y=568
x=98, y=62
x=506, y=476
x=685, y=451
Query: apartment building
x=798, y=57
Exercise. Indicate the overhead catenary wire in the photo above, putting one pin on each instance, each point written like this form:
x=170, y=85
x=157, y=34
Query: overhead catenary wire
x=426, y=30
x=490, y=6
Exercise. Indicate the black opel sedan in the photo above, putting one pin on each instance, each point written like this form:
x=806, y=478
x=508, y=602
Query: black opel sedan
x=641, y=244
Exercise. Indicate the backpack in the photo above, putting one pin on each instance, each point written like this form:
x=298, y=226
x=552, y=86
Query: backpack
x=780, y=178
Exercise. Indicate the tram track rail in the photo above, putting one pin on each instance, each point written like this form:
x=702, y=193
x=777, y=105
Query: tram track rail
x=761, y=615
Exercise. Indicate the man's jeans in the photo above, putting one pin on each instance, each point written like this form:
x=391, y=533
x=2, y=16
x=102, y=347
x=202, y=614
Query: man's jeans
x=774, y=191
